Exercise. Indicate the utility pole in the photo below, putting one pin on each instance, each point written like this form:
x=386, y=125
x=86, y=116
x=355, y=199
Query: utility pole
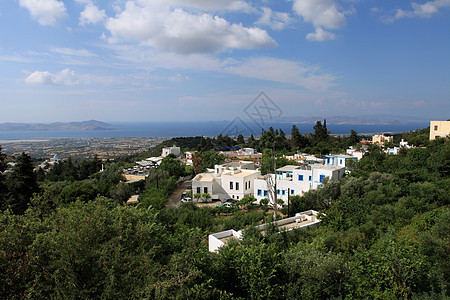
x=289, y=196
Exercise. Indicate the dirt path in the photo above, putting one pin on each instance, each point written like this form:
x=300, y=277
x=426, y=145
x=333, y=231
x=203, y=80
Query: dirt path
x=174, y=198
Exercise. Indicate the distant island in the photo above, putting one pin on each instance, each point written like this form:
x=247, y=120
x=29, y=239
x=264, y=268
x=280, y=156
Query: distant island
x=84, y=125
x=346, y=120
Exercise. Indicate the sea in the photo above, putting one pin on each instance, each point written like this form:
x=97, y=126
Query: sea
x=200, y=128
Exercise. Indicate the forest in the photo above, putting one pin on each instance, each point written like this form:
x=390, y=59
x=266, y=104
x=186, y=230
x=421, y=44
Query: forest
x=385, y=230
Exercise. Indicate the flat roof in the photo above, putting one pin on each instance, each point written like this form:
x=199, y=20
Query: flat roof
x=340, y=155
x=288, y=168
x=204, y=177
x=242, y=173
x=326, y=167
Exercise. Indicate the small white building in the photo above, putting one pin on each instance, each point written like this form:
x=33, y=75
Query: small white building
x=300, y=220
x=189, y=157
x=340, y=160
x=297, y=180
x=233, y=180
x=355, y=153
x=396, y=150
x=249, y=151
x=155, y=160
x=171, y=150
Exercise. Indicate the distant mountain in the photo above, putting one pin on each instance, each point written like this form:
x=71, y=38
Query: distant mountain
x=363, y=120
x=85, y=125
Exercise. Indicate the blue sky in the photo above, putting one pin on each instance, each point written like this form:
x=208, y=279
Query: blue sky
x=153, y=60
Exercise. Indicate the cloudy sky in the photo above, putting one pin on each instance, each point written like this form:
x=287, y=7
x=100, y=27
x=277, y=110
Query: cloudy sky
x=152, y=60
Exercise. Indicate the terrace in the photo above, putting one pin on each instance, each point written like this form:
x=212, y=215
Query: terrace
x=301, y=220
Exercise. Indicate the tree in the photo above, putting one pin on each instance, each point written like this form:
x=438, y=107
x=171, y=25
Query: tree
x=206, y=196
x=22, y=184
x=252, y=143
x=197, y=196
x=210, y=159
x=270, y=166
x=245, y=201
x=353, y=139
x=121, y=192
x=298, y=140
x=197, y=161
x=240, y=140
x=173, y=166
x=312, y=274
x=320, y=132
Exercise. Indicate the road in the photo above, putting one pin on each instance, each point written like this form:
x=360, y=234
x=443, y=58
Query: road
x=174, y=198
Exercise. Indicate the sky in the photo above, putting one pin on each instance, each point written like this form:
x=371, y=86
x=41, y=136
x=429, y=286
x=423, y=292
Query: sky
x=190, y=60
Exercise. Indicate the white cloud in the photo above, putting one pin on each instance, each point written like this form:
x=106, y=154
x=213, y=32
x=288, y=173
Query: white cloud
x=65, y=77
x=73, y=52
x=92, y=15
x=425, y=10
x=320, y=35
x=321, y=14
x=179, y=31
x=46, y=12
x=142, y=57
x=274, y=20
x=284, y=71
x=324, y=13
x=232, y=5
x=178, y=78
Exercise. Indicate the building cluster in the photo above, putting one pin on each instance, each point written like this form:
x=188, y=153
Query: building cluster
x=237, y=179
x=232, y=180
x=142, y=168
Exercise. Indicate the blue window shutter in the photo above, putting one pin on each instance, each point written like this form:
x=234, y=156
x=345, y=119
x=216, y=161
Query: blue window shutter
x=322, y=177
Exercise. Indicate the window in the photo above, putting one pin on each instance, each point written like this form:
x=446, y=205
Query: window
x=249, y=184
x=265, y=193
x=310, y=178
x=218, y=171
x=321, y=178
x=198, y=190
x=259, y=192
x=435, y=127
x=246, y=185
x=341, y=161
x=231, y=185
x=205, y=190
x=237, y=197
x=278, y=191
x=237, y=186
x=300, y=177
x=233, y=196
x=283, y=192
x=292, y=192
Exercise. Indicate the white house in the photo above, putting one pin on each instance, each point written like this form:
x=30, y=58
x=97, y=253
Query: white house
x=171, y=150
x=304, y=219
x=297, y=180
x=189, y=158
x=340, y=160
x=355, y=153
x=232, y=180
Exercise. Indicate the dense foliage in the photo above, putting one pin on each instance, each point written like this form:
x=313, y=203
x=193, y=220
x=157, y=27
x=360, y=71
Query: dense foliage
x=385, y=234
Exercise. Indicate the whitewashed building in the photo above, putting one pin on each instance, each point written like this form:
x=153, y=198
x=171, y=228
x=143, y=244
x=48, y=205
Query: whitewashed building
x=309, y=218
x=171, y=150
x=340, y=160
x=355, y=153
x=297, y=180
x=232, y=180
